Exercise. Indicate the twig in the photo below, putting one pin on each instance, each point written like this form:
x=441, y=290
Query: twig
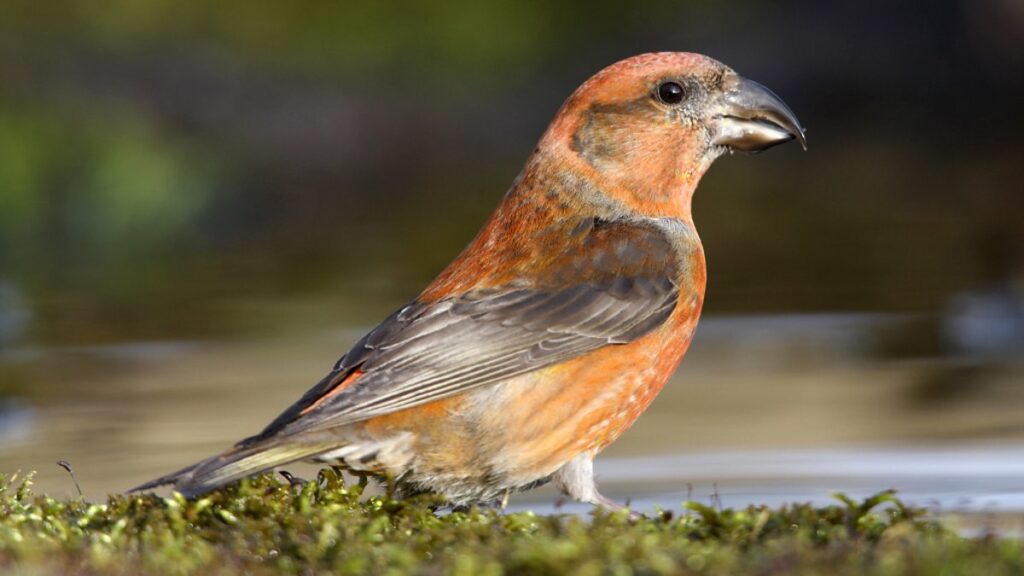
x=67, y=466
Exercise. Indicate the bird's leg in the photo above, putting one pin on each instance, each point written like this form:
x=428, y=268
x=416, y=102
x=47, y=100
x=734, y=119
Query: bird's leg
x=362, y=478
x=390, y=485
x=576, y=480
x=611, y=505
x=504, y=499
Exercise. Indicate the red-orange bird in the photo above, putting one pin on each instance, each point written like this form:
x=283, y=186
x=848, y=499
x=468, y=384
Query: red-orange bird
x=559, y=323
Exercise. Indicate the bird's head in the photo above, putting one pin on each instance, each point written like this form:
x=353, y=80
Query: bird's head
x=649, y=126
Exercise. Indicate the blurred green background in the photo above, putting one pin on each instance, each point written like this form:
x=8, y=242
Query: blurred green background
x=237, y=171
x=158, y=158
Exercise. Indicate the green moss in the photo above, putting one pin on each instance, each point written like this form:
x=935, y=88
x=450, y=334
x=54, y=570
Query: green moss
x=265, y=526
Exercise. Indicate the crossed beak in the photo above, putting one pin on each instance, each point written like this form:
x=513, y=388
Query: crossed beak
x=751, y=118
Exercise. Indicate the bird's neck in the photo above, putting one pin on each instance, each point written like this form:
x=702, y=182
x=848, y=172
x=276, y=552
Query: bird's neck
x=659, y=187
x=640, y=166
x=669, y=196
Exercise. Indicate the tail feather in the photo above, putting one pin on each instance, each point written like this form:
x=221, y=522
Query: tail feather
x=171, y=478
x=235, y=464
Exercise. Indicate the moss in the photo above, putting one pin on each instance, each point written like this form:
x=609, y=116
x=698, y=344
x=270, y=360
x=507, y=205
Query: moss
x=263, y=526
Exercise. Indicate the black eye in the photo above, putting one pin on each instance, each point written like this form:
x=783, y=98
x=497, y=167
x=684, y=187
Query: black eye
x=670, y=93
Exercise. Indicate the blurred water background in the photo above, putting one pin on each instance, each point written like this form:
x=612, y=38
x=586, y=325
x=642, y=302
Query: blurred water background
x=203, y=205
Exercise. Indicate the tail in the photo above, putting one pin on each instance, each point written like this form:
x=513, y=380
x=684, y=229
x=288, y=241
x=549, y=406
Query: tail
x=239, y=462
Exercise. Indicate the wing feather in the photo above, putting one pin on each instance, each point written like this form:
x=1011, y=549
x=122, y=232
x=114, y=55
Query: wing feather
x=613, y=287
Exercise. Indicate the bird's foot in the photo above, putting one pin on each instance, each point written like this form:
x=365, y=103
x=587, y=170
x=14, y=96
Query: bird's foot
x=576, y=480
x=613, y=506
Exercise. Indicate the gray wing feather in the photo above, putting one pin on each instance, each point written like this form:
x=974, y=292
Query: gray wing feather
x=463, y=343
x=429, y=351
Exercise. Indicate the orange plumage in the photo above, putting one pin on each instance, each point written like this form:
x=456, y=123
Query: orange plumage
x=557, y=326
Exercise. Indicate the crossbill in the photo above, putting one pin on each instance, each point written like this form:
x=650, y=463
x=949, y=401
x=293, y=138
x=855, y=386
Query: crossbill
x=546, y=338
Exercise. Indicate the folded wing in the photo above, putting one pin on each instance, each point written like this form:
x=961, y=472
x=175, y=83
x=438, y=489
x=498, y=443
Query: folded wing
x=616, y=285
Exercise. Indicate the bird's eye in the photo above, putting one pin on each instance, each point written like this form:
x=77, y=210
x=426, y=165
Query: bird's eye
x=670, y=93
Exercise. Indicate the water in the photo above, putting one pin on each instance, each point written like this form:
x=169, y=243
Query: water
x=765, y=410
x=968, y=479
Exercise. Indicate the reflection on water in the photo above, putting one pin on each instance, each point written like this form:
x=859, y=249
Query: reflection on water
x=764, y=410
x=967, y=479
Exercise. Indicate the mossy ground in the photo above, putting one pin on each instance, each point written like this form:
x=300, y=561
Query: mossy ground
x=265, y=526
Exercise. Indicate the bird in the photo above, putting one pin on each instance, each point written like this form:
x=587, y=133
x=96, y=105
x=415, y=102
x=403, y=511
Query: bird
x=556, y=327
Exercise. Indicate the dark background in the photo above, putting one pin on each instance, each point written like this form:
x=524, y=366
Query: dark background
x=160, y=158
